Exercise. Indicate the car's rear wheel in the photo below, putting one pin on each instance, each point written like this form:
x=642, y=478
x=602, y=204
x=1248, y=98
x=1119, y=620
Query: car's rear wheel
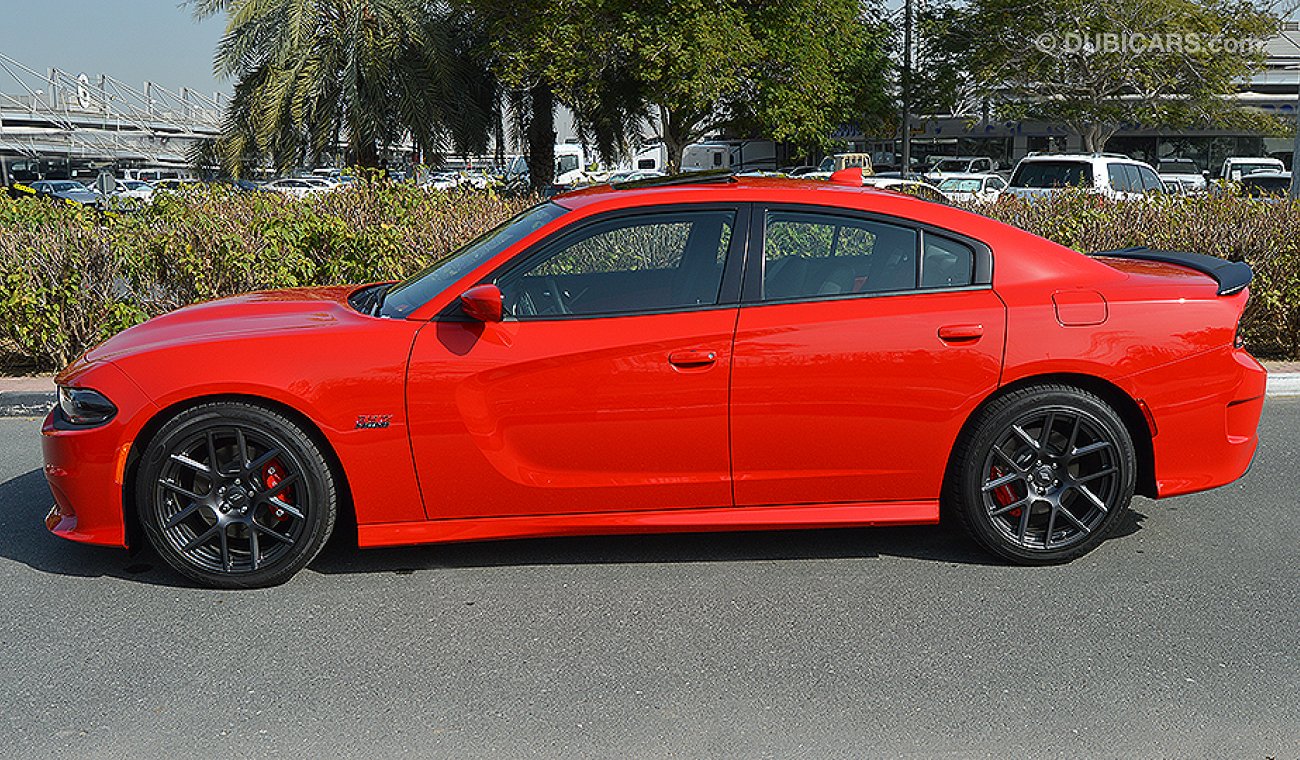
x=234, y=495
x=1044, y=474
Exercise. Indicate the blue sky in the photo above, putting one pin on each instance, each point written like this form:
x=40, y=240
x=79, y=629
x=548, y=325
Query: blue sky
x=131, y=40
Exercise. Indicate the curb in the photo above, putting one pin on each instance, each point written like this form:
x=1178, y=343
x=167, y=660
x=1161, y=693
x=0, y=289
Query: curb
x=39, y=403
x=1284, y=384
x=26, y=403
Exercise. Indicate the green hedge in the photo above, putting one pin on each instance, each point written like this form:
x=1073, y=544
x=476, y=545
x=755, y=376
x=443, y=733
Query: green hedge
x=72, y=277
x=1265, y=235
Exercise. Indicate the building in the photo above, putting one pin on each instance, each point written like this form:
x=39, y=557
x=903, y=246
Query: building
x=59, y=125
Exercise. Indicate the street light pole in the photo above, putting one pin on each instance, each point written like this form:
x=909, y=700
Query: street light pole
x=907, y=88
x=1295, y=147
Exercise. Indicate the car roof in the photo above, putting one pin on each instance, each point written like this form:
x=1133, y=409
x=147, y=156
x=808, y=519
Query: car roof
x=968, y=175
x=728, y=188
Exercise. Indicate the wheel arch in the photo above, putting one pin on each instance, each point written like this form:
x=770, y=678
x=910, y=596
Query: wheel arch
x=134, y=531
x=1124, y=405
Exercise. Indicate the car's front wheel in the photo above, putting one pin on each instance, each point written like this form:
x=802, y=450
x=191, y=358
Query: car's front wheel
x=234, y=495
x=1044, y=474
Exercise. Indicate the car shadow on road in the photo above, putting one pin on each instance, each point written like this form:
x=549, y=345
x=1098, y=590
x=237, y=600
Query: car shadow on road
x=23, y=538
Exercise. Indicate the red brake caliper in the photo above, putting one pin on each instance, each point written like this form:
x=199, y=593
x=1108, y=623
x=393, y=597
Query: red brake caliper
x=1003, y=493
x=271, y=477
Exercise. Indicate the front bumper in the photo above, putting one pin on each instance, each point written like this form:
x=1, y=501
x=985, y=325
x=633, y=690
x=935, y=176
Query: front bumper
x=86, y=467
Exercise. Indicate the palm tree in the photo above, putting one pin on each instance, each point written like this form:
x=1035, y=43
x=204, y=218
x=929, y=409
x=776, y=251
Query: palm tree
x=311, y=74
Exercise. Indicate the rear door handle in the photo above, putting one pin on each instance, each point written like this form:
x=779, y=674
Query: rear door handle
x=695, y=357
x=961, y=333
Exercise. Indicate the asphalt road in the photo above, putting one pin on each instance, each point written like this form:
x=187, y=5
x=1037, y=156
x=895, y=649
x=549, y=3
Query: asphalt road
x=1180, y=638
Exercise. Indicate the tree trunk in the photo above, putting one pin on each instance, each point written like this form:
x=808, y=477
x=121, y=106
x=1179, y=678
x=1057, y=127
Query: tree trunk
x=365, y=154
x=541, y=137
x=677, y=134
x=1095, y=137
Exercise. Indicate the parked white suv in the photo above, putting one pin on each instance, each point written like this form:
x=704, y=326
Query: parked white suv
x=1236, y=168
x=1107, y=174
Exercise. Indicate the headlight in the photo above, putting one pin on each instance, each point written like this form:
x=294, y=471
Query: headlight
x=82, y=406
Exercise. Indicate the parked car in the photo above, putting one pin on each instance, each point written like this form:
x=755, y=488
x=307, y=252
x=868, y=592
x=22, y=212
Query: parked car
x=922, y=190
x=1185, y=173
x=972, y=188
x=323, y=184
x=173, y=184
x=66, y=190
x=1234, y=169
x=944, y=167
x=633, y=175
x=1107, y=174
x=838, y=161
x=1267, y=185
x=797, y=171
x=294, y=187
x=134, y=189
x=153, y=176
x=718, y=354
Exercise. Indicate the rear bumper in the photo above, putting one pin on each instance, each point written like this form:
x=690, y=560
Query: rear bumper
x=1206, y=411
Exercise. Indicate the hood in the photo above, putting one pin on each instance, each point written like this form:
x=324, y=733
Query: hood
x=279, y=311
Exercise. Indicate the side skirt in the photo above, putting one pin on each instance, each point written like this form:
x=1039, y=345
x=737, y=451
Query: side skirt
x=787, y=517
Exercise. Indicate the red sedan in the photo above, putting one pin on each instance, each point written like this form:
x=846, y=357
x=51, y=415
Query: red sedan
x=675, y=355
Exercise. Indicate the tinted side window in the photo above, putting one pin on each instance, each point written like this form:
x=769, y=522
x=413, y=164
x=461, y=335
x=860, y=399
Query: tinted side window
x=633, y=264
x=946, y=263
x=1119, y=179
x=809, y=254
x=1150, y=180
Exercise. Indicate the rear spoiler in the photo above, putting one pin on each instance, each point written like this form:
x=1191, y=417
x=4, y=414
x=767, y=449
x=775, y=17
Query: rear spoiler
x=1232, y=276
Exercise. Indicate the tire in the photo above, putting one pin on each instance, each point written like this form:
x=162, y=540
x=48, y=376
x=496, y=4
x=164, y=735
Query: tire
x=254, y=520
x=1043, y=474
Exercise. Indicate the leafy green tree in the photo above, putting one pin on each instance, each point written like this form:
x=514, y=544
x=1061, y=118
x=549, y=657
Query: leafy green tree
x=1096, y=65
x=793, y=70
x=312, y=73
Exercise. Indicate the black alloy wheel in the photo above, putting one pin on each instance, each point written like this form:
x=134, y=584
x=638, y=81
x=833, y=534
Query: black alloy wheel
x=235, y=496
x=1044, y=474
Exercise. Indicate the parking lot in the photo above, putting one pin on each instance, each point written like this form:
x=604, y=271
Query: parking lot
x=1178, y=638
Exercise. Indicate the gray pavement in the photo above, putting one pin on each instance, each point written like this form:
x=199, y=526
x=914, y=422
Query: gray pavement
x=1179, y=638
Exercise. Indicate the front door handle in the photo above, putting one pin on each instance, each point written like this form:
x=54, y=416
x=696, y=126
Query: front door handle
x=961, y=333
x=695, y=357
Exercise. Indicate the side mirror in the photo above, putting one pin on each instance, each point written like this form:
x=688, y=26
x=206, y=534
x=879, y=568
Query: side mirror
x=482, y=302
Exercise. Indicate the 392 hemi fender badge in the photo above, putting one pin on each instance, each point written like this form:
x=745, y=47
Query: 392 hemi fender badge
x=372, y=421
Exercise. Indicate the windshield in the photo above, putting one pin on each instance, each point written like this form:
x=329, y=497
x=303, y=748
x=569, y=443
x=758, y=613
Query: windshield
x=407, y=296
x=952, y=165
x=1052, y=174
x=1177, y=167
x=827, y=164
x=960, y=186
x=63, y=187
x=1241, y=170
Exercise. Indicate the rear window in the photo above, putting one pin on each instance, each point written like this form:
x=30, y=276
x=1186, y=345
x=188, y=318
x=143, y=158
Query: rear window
x=1178, y=167
x=1052, y=174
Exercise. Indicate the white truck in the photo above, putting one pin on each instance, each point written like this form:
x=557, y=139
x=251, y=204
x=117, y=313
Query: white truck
x=1236, y=168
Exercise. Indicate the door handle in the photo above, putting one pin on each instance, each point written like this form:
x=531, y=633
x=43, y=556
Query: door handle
x=961, y=333
x=695, y=357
